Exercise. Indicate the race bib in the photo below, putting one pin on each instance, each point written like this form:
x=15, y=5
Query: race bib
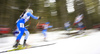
x=45, y=26
x=21, y=25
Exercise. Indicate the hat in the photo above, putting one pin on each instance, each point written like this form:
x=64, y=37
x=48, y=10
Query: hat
x=47, y=23
x=29, y=10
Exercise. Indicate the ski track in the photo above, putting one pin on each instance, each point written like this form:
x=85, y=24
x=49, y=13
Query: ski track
x=80, y=44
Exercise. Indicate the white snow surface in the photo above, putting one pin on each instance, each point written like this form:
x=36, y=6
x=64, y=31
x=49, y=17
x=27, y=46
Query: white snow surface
x=88, y=43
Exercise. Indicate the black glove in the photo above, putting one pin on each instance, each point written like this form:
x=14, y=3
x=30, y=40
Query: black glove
x=39, y=18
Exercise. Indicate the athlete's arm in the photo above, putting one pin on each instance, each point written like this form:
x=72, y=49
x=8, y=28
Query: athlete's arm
x=34, y=17
x=50, y=26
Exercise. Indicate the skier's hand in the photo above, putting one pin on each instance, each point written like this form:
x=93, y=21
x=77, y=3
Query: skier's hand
x=39, y=18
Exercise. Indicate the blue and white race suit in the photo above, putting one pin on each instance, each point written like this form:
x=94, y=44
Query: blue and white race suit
x=45, y=27
x=20, y=24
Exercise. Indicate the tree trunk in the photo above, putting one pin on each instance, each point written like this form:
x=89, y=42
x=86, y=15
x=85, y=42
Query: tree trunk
x=61, y=11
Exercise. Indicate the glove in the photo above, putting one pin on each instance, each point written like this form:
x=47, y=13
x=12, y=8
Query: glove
x=39, y=18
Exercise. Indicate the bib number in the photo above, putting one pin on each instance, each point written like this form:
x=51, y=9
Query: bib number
x=21, y=25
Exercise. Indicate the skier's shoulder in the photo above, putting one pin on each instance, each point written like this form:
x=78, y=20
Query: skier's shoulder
x=28, y=13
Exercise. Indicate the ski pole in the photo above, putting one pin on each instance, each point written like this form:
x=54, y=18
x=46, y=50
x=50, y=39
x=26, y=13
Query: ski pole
x=37, y=23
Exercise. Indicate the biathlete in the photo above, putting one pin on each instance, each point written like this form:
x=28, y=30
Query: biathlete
x=44, y=31
x=67, y=26
x=25, y=16
x=81, y=27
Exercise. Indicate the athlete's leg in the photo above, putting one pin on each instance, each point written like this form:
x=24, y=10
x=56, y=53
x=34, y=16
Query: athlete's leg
x=20, y=26
x=44, y=33
x=21, y=29
x=26, y=36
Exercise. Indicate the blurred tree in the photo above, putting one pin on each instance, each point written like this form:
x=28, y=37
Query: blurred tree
x=54, y=12
x=61, y=11
x=92, y=12
x=85, y=7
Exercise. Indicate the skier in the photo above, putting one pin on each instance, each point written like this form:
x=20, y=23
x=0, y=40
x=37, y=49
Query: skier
x=45, y=27
x=25, y=16
x=81, y=27
x=67, y=25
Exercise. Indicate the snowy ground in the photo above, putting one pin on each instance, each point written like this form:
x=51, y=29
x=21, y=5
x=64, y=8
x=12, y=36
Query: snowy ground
x=88, y=43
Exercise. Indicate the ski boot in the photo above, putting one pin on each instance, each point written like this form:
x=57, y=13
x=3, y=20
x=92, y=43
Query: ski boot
x=17, y=43
x=45, y=40
x=24, y=44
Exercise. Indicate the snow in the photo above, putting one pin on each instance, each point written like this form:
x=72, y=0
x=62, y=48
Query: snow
x=88, y=44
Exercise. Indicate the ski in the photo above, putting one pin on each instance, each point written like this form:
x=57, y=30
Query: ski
x=20, y=47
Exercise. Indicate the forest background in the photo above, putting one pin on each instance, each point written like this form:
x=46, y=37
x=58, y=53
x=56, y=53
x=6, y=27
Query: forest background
x=57, y=12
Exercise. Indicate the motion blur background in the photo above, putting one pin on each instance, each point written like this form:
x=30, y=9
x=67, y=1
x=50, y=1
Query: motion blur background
x=57, y=12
